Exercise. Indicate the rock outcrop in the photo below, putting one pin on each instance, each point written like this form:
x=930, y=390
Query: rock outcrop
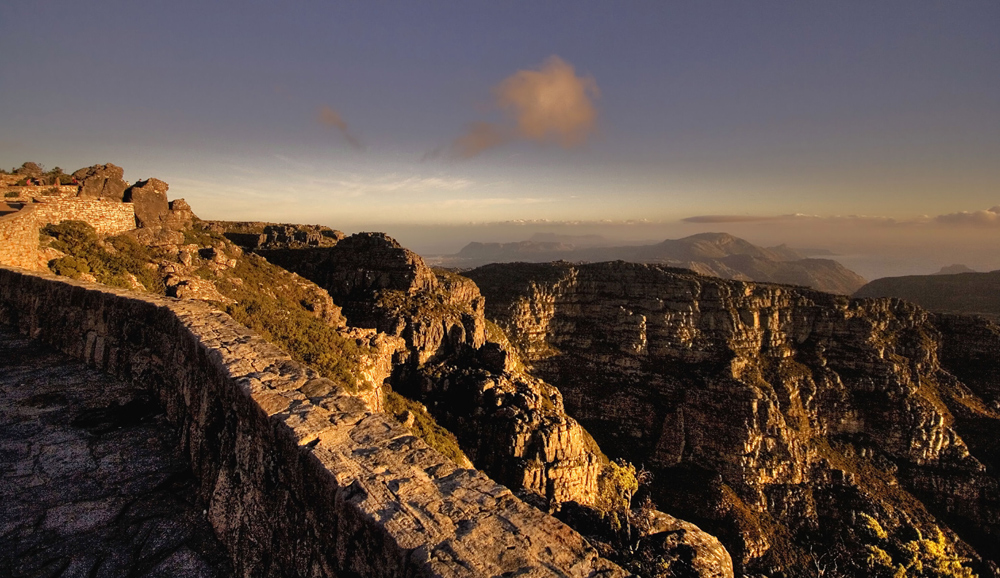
x=102, y=181
x=257, y=235
x=149, y=198
x=159, y=221
x=806, y=430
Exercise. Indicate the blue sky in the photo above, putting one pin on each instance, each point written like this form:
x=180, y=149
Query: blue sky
x=883, y=109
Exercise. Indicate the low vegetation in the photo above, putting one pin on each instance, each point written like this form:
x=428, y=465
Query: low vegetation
x=272, y=303
x=116, y=261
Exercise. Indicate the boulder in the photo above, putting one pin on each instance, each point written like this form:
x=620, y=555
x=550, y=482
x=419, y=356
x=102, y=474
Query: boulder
x=149, y=198
x=180, y=216
x=101, y=181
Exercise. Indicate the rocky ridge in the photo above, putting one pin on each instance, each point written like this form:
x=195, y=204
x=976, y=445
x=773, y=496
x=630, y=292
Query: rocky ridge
x=808, y=431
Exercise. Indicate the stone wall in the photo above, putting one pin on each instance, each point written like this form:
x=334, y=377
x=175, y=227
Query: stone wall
x=106, y=217
x=300, y=479
x=19, y=239
x=19, y=231
x=40, y=192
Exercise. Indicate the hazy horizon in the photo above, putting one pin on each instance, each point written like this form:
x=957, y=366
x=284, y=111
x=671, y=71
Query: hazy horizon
x=870, y=130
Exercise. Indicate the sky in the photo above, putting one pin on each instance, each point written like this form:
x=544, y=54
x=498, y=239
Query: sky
x=871, y=129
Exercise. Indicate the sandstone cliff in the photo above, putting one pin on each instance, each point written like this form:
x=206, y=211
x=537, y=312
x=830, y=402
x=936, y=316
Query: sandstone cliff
x=511, y=425
x=811, y=432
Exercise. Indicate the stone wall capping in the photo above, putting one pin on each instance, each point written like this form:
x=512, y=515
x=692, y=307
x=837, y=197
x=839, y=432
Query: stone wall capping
x=300, y=479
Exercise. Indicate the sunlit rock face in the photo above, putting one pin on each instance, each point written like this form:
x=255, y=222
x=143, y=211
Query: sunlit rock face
x=774, y=416
x=511, y=425
x=101, y=181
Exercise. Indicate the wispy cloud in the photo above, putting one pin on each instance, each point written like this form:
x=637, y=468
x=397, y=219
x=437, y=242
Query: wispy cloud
x=800, y=217
x=359, y=186
x=988, y=218
x=729, y=219
x=331, y=118
x=551, y=104
x=982, y=218
x=492, y=202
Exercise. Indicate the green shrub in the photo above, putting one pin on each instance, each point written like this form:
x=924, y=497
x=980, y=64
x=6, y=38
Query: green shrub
x=69, y=266
x=11, y=194
x=85, y=253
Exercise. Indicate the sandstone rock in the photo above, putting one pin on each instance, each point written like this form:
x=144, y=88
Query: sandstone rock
x=802, y=405
x=150, y=200
x=710, y=559
x=511, y=425
x=157, y=236
x=267, y=236
x=101, y=181
x=180, y=216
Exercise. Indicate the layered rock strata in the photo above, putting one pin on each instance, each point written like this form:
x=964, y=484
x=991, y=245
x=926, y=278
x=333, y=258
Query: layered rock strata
x=781, y=418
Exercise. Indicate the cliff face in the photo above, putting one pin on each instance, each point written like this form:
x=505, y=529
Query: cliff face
x=787, y=421
x=511, y=425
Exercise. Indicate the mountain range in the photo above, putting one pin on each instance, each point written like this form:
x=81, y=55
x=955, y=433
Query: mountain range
x=713, y=254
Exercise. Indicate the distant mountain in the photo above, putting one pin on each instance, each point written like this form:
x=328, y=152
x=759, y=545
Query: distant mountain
x=576, y=240
x=715, y=254
x=954, y=270
x=975, y=293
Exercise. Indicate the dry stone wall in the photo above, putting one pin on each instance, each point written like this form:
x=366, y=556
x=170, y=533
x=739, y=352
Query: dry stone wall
x=40, y=192
x=19, y=231
x=300, y=478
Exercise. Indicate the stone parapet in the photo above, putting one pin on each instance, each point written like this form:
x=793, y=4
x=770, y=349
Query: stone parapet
x=297, y=485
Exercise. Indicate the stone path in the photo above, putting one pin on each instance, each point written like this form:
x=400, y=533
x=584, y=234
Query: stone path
x=91, y=482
